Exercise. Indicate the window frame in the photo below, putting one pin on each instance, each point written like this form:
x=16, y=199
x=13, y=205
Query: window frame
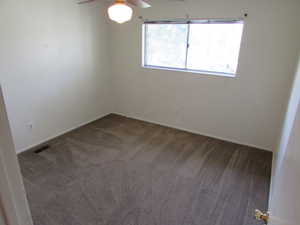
x=188, y=22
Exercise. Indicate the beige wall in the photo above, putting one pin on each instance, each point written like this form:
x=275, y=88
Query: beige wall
x=62, y=65
x=53, y=66
x=247, y=109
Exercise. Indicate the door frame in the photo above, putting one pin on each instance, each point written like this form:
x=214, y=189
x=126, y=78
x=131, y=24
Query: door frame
x=14, y=208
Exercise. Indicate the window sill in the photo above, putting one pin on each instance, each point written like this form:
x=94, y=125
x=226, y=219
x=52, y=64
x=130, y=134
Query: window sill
x=202, y=72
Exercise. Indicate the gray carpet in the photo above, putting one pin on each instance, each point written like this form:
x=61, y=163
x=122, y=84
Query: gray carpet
x=120, y=171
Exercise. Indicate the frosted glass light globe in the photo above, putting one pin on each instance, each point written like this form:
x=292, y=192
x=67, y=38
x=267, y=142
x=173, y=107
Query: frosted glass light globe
x=120, y=12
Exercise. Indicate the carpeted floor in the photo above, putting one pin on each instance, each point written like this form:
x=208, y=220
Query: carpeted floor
x=120, y=171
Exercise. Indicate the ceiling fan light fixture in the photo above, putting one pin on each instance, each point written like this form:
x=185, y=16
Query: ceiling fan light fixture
x=120, y=12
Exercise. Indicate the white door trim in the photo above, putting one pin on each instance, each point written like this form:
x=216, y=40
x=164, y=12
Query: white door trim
x=14, y=208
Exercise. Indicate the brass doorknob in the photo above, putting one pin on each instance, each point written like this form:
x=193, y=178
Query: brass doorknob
x=259, y=215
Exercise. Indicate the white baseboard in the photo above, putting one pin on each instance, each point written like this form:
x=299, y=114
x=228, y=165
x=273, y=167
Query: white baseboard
x=193, y=131
x=142, y=119
x=60, y=134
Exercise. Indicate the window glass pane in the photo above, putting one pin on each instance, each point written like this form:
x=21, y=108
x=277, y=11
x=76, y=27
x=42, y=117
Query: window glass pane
x=165, y=45
x=214, y=47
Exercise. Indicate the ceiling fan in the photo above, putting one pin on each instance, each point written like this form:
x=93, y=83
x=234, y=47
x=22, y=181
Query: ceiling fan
x=120, y=11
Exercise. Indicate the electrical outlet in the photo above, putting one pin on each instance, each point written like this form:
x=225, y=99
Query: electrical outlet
x=29, y=126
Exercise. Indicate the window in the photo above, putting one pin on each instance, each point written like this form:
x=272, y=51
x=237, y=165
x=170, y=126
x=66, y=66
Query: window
x=210, y=46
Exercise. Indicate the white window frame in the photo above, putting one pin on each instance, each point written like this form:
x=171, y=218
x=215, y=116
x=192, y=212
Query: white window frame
x=187, y=22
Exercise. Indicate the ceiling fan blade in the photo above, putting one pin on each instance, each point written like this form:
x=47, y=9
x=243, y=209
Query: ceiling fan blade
x=139, y=3
x=85, y=1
